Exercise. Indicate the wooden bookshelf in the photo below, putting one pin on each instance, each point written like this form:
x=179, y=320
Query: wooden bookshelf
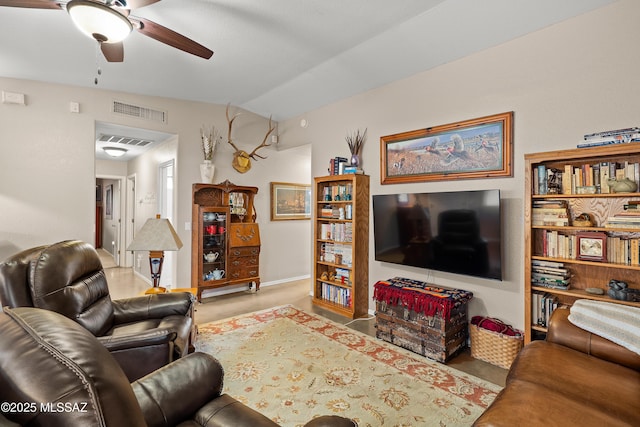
x=585, y=273
x=341, y=244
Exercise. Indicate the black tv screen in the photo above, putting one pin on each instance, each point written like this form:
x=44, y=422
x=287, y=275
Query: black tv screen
x=456, y=232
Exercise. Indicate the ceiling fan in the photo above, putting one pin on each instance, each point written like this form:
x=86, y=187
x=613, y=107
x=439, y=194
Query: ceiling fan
x=109, y=22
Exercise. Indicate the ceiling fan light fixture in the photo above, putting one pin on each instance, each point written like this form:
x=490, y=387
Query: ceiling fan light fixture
x=115, y=151
x=99, y=21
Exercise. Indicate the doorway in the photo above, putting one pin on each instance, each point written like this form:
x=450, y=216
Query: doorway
x=134, y=187
x=166, y=186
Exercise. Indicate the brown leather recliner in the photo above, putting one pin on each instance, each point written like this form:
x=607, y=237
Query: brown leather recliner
x=142, y=333
x=53, y=372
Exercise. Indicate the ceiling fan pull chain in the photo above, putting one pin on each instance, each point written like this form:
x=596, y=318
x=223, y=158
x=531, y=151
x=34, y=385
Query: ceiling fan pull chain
x=99, y=70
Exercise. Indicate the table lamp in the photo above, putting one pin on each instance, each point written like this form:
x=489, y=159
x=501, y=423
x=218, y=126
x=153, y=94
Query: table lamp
x=156, y=236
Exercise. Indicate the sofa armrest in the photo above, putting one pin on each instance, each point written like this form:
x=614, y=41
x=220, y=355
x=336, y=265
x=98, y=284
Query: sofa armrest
x=146, y=338
x=562, y=331
x=178, y=390
x=154, y=306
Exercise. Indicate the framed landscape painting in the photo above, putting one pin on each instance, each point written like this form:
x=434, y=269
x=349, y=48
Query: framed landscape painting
x=477, y=148
x=290, y=201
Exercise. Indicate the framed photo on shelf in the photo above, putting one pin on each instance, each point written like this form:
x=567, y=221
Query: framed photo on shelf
x=290, y=201
x=592, y=246
x=477, y=148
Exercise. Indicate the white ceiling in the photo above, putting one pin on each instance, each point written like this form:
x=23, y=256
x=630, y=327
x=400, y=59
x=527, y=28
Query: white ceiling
x=277, y=57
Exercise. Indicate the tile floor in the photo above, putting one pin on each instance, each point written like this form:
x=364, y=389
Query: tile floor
x=123, y=283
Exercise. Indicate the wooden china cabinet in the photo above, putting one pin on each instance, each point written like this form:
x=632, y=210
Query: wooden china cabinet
x=225, y=238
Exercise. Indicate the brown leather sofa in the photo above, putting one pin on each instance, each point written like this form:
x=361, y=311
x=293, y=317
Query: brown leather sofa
x=573, y=378
x=53, y=372
x=142, y=333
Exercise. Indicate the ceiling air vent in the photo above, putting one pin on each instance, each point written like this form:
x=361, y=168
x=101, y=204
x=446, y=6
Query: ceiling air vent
x=139, y=112
x=115, y=139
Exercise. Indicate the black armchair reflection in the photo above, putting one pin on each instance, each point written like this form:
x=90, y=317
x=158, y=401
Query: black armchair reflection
x=458, y=247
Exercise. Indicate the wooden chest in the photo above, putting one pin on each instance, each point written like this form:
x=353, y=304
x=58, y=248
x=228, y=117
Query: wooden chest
x=428, y=320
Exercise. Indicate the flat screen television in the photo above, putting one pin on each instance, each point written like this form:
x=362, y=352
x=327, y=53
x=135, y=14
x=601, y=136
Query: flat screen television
x=457, y=232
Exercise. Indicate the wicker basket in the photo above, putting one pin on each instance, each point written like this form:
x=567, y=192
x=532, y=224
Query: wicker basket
x=493, y=347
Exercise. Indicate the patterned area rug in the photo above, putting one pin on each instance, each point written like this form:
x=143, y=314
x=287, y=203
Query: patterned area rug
x=293, y=366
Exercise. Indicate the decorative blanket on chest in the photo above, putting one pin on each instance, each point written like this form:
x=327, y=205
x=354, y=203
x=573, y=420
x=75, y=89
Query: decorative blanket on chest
x=420, y=296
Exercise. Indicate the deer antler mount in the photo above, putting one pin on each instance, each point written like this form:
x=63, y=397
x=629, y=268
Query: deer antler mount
x=241, y=159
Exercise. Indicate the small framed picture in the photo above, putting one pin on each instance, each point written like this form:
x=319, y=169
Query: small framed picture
x=592, y=246
x=290, y=201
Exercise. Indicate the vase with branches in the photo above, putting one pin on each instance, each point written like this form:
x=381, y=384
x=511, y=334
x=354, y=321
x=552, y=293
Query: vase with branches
x=209, y=137
x=355, y=140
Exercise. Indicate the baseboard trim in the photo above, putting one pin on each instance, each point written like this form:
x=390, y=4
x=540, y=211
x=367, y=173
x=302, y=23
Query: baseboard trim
x=245, y=286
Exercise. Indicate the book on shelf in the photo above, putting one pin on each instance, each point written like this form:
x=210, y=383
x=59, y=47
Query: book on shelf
x=609, y=140
x=336, y=165
x=550, y=212
x=613, y=132
x=543, y=305
x=623, y=250
x=336, y=294
x=550, y=264
x=353, y=169
x=550, y=274
x=617, y=136
x=578, y=179
x=337, y=232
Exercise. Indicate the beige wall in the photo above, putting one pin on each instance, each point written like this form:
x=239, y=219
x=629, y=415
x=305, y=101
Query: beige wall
x=48, y=169
x=577, y=77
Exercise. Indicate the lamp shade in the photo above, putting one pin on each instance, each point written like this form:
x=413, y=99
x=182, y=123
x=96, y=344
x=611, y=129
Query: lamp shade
x=157, y=234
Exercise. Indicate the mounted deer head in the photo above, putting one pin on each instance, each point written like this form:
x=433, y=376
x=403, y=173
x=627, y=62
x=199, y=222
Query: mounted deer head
x=242, y=159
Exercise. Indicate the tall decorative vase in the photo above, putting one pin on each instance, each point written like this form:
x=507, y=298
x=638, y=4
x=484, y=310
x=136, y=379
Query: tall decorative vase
x=207, y=169
x=355, y=160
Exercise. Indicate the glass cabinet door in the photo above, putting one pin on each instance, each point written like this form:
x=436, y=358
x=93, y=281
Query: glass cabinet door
x=213, y=229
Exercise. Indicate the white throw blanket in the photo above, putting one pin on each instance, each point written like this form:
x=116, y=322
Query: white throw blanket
x=615, y=322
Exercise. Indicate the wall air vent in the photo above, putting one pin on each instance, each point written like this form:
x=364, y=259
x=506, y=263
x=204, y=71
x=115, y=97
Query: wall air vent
x=139, y=112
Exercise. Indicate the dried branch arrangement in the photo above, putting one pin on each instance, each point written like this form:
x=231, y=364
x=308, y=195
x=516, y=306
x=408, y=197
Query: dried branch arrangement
x=210, y=137
x=355, y=140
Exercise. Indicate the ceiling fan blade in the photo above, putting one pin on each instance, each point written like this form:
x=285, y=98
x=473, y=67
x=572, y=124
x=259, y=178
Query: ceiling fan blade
x=137, y=4
x=33, y=4
x=170, y=37
x=113, y=52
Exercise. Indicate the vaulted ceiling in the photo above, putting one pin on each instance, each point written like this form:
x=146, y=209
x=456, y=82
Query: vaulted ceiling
x=275, y=57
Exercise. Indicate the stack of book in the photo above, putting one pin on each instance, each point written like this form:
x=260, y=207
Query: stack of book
x=617, y=136
x=353, y=169
x=326, y=211
x=341, y=166
x=550, y=274
x=630, y=218
x=550, y=212
x=337, y=165
x=343, y=276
